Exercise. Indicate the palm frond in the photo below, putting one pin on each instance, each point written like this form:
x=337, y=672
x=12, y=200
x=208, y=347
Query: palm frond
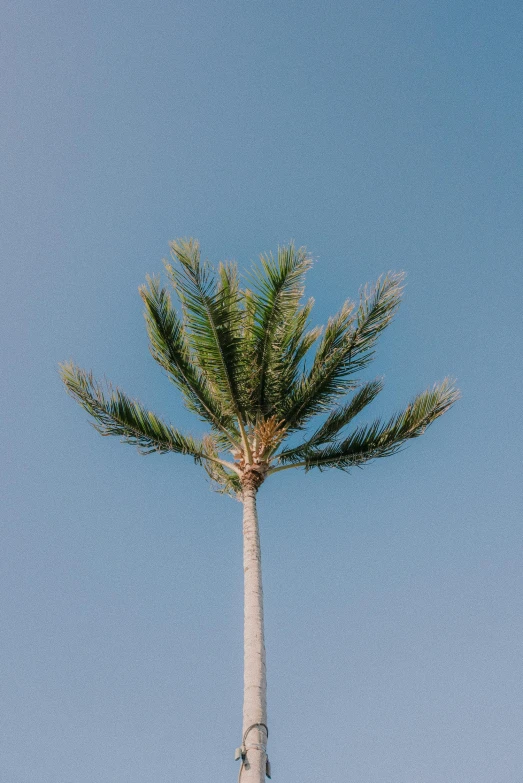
x=278, y=289
x=169, y=347
x=116, y=414
x=335, y=422
x=378, y=305
x=346, y=347
x=380, y=439
x=214, y=315
x=314, y=390
x=294, y=340
x=299, y=340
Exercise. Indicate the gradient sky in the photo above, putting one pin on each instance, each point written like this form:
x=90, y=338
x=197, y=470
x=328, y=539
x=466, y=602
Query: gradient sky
x=382, y=135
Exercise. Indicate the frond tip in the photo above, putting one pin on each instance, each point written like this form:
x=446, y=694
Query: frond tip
x=114, y=413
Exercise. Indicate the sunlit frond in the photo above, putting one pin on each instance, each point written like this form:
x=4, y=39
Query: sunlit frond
x=116, y=414
x=169, y=346
x=381, y=438
x=213, y=313
x=295, y=340
x=277, y=291
x=345, y=348
x=335, y=422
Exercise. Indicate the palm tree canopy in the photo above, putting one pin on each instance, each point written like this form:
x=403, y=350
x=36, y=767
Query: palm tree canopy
x=244, y=362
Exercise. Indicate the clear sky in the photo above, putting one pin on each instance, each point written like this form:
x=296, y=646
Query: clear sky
x=382, y=135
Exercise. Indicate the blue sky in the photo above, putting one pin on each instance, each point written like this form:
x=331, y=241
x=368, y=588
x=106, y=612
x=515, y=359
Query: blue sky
x=382, y=136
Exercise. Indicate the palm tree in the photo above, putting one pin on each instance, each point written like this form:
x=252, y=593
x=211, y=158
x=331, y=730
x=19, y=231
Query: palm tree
x=242, y=359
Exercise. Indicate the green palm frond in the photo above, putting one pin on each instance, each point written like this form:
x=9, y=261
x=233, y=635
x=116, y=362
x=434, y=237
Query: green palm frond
x=346, y=347
x=213, y=318
x=278, y=289
x=169, y=347
x=381, y=439
x=313, y=391
x=335, y=422
x=295, y=340
x=299, y=341
x=116, y=414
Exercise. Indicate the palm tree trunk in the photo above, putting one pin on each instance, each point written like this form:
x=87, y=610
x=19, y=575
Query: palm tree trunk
x=255, y=680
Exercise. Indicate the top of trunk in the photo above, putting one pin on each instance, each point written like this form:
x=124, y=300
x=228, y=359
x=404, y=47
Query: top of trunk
x=253, y=476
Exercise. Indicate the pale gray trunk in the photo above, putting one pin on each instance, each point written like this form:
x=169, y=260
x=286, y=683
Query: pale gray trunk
x=255, y=681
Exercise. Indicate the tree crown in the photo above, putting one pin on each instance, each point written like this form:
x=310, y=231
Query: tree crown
x=243, y=359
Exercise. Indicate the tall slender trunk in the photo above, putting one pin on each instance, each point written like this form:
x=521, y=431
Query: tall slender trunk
x=255, y=732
